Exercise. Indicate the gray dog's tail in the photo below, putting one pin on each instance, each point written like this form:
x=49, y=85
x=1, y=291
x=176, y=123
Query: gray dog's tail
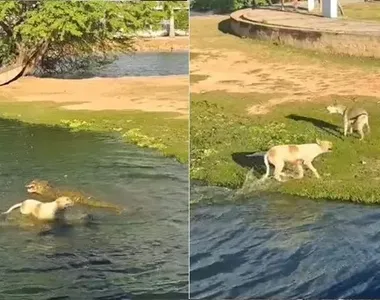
x=12, y=208
x=267, y=172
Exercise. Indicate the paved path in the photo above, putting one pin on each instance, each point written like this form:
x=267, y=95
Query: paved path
x=308, y=21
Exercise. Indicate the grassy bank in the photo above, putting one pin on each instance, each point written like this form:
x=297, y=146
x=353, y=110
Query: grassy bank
x=300, y=84
x=158, y=131
x=222, y=133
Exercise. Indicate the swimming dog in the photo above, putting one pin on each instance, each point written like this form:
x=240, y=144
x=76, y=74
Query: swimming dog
x=42, y=211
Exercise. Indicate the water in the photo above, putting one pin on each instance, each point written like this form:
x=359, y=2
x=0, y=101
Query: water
x=283, y=248
x=141, y=254
x=148, y=64
x=136, y=64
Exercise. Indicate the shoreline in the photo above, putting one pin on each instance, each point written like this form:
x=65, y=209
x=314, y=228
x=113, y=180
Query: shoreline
x=162, y=44
x=103, y=93
x=155, y=120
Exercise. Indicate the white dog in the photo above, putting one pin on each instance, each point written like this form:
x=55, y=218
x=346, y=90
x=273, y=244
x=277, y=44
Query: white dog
x=296, y=154
x=42, y=211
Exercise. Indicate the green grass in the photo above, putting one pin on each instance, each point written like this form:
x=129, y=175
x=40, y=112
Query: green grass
x=160, y=131
x=363, y=11
x=221, y=127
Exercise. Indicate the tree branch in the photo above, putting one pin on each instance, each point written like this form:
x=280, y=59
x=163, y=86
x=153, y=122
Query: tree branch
x=7, y=29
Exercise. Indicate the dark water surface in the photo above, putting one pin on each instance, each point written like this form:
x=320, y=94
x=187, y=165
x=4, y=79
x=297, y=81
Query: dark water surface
x=141, y=254
x=148, y=64
x=283, y=248
x=136, y=64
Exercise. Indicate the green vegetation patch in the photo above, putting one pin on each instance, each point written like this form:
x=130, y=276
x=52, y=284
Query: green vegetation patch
x=222, y=132
x=160, y=131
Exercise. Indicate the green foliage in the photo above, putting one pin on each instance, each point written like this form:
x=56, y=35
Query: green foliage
x=221, y=6
x=71, y=28
x=168, y=7
x=181, y=16
x=181, y=19
x=220, y=127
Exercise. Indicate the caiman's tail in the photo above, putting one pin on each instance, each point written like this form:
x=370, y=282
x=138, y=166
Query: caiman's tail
x=101, y=204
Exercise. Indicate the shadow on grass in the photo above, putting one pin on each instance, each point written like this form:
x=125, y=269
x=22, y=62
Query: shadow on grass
x=244, y=160
x=325, y=126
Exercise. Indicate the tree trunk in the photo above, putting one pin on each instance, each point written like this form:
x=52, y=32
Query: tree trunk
x=31, y=61
x=340, y=9
x=171, y=24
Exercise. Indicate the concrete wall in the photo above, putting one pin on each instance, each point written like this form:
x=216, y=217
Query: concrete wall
x=340, y=43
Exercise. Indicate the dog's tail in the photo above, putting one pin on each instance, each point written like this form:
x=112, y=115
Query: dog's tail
x=265, y=176
x=12, y=208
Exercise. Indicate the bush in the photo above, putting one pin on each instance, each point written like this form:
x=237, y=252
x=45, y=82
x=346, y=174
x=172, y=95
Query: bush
x=181, y=19
x=221, y=6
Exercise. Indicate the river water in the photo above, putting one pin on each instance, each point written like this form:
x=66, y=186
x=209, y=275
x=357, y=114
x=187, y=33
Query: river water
x=135, y=64
x=282, y=248
x=140, y=254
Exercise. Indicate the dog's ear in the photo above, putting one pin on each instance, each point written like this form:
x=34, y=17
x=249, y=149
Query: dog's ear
x=318, y=141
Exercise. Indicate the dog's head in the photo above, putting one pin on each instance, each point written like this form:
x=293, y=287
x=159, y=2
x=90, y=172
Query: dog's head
x=332, y=109
x=326, y=146
x=335, y=108
x=64, y=202
x=37, y=186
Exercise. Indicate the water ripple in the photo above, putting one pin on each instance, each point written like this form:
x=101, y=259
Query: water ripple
x=140, y=254
x=283, y=248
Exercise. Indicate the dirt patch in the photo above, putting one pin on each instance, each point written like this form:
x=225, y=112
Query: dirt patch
x=162, y=44
x=158, y=94
x=235, y=72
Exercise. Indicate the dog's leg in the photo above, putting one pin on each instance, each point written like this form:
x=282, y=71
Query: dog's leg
x=346, y=125
x=278, y=170
x=300, y=171
x=368, y=129
x=311, y=167
x=360, y=130
x=351, y=129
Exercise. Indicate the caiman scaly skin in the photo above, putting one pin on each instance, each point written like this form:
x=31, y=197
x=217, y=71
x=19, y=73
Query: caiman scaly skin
x=46, y=192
